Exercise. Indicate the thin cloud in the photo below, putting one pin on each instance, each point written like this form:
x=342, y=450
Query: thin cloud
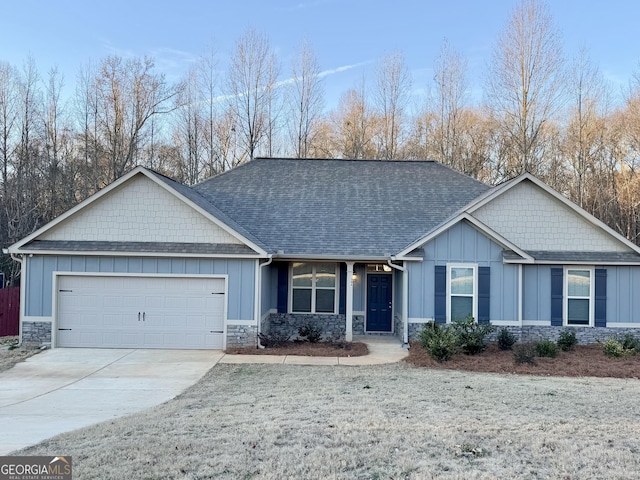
x=279, y=84
x=344, y=68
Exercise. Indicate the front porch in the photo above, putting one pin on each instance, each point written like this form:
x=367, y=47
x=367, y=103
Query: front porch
x=341, y=299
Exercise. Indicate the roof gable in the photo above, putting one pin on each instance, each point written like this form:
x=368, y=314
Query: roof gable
x=139, y=207
x=536, y=218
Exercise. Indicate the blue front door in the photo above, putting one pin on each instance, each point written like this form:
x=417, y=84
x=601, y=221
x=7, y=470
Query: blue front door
x=379, y=302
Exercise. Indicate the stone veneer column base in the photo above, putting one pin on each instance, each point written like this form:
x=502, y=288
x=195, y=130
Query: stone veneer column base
x=242, y=336
x=532, y=334
x=37, y=333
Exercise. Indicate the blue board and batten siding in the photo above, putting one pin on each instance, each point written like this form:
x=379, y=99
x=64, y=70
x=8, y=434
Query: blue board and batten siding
x=241, y=277
x=623, y=301
x=622, y=305
x=536, y=292
x=463, y=244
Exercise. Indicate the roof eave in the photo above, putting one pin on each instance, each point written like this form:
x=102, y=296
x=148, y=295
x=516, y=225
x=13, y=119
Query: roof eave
x=343, y=258
x=110, y=253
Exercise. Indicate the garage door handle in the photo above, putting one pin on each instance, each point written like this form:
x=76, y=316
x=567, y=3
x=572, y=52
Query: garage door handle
x=143, y=315
x=138, y=316
x=64, y=329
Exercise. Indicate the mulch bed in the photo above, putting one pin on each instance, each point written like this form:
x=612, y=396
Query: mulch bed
x=583, y=361
x=321, y=349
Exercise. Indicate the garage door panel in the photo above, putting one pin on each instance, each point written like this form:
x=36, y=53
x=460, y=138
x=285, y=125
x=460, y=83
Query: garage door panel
x=174, y=312
x=175, y=321
x=196, y=322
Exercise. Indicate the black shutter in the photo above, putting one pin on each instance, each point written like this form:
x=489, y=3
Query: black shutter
x=283, y=286
x=601, y=298
x=484, y=290
x=343, y=289
x=440, y=300
x=556, y=296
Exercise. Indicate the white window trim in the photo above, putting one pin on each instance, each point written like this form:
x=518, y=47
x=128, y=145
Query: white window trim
x=336, y=306
x=473, y=266
x=565, y=294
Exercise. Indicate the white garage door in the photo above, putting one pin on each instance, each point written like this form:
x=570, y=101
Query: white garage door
x=140, y=312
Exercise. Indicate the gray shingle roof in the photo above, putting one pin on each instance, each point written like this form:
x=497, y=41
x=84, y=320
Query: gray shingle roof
x=358, y=208
x=150, y=247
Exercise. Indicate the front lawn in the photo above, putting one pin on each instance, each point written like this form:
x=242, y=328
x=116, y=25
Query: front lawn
x=385, y=422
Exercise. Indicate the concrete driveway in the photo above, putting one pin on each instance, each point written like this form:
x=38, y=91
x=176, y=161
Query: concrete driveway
x=67, y=388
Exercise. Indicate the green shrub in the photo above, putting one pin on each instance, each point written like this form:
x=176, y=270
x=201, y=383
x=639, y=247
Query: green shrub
x=439, y=341
x=629, y=342
x=310, y=332
x=546, y=348
x=613, y=348
x=626, y=346
x=506, y=339
x=470, y=335
x=524, y=353
x=567, y=340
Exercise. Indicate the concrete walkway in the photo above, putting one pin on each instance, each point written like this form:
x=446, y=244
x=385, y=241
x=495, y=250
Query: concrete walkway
x=382, y=349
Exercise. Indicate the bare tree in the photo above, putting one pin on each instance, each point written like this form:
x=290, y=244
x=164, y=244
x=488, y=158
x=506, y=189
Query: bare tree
x=525, y=82
x=9, y=100
x=306, y=101
x=354, y=125
x=55, y=137
x=189, y=126
x=448, y=98
x=251, y=84
x=86, y=111
x=129, y=94
x=23, y=209
x=210, y=98
x=8, y=118
x=393, y=84
x=585, y=130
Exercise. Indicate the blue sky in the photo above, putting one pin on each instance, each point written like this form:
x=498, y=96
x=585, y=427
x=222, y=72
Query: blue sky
x=347, y=34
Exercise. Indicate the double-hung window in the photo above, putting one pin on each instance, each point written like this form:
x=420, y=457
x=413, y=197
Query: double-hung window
x=579, y=288
x=462, y=291
x=313, y=287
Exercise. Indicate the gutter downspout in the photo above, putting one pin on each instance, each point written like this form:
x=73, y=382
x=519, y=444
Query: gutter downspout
x=259, y=298
x=405, y=301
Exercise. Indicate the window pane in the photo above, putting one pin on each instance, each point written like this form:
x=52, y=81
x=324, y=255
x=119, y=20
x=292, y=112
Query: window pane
x=461, y=307
x=301, y=299
x=302, y=274
x=462, y=281
x=326, y=275
x=325, y=300
x=578, y=311
x=579, y=283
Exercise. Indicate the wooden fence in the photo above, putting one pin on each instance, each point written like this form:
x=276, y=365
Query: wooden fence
x=9, y=311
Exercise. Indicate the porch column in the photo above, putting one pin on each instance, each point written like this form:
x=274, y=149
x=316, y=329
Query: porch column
x=348, y=336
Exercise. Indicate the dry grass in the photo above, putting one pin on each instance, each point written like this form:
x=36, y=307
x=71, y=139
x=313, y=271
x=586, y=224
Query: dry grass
x=8, y=358
x=385, y=422
x=321, y=349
